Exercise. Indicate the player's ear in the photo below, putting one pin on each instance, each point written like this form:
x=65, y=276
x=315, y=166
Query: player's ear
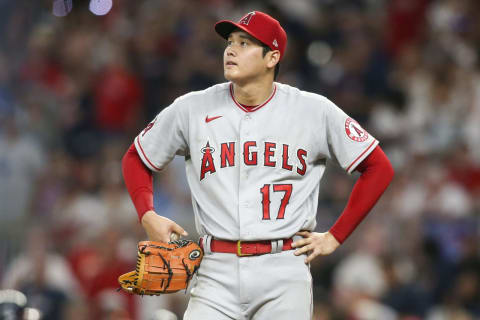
x=273, y=57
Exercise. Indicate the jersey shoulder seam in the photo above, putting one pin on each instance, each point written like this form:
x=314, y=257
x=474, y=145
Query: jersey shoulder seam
x=213, y=89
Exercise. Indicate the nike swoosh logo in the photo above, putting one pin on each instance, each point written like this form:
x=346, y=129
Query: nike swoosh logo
x=207, y=119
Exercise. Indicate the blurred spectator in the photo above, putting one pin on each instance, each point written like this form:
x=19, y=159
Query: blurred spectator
x=21, y=161
x=97, y=266
x=80, y=215
x=118, y=96
x=12, y=304
x=404, y=292
x=44, y=277
x=6, y=97
x=359, y=280
x=406, y=22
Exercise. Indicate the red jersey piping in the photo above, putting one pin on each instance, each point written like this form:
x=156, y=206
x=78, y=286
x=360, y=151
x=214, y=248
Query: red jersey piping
x=145, y=156
x=254, y=108
x=361, y=154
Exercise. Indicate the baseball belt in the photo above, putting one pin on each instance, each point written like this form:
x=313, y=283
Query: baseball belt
x=249, y=248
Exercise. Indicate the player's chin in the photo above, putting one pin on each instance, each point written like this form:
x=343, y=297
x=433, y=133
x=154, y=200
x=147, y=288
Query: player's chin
x=231, y=75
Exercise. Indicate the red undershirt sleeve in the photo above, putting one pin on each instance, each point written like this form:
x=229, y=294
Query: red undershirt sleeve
x=139, y=181
x=376, y=175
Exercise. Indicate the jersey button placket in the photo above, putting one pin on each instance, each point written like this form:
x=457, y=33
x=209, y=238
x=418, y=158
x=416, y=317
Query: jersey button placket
x=247, y=122
x=244, y=202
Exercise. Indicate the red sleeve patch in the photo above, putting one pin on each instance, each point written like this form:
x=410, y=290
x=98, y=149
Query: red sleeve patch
x=355, y=131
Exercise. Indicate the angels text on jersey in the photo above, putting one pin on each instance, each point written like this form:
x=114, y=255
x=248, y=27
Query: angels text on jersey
x=251, y=154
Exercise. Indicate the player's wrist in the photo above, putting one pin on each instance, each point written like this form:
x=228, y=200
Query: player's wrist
x=147, y=217
x=332, y=239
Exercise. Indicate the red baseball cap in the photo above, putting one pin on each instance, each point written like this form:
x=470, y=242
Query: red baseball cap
x=259, y=25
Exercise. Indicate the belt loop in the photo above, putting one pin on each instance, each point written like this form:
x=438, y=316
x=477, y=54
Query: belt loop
x=277, y=246
x=207, y=240
x=274, y=246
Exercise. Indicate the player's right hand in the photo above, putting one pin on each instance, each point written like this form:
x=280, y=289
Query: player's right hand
x=160, y=228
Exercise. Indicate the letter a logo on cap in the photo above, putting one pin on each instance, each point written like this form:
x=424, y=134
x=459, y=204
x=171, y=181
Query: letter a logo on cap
x=246, y=20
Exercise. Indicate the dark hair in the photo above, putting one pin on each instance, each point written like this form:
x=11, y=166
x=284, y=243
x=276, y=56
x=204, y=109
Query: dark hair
x=277, y=66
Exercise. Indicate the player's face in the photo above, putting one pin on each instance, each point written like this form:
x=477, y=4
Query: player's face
x=243, y=58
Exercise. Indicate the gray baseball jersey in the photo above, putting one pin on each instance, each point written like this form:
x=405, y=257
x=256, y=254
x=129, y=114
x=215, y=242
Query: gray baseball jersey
x=254, y=174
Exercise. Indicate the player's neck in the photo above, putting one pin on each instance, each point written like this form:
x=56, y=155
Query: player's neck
x=253, y=93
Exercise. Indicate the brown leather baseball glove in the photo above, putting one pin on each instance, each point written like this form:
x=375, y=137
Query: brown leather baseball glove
x=162, y=267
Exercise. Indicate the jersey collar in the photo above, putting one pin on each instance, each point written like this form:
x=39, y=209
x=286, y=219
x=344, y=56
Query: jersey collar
x=257, y=107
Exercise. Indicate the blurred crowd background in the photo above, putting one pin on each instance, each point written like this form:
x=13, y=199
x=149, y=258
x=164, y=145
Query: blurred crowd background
x=75, y=91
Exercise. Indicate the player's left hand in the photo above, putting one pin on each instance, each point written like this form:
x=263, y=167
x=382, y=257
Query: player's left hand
x=315, y=244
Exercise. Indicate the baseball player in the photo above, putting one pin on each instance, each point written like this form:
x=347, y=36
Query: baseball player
x=255, y=151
